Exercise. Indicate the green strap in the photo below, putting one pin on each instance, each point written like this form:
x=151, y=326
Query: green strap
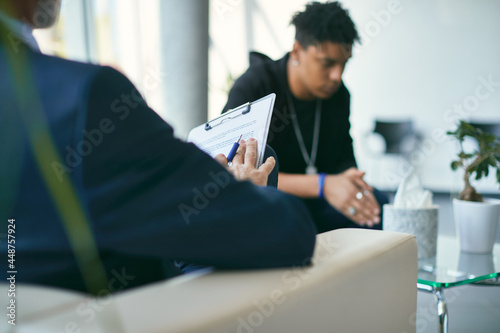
x=63, y=193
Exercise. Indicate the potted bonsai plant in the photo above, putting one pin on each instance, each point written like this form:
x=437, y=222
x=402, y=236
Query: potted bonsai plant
x=476, y=218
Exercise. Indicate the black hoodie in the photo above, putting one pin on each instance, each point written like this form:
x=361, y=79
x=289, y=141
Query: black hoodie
x=335, y=151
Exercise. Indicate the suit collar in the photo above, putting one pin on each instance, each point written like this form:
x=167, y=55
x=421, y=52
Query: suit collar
x=20, y=32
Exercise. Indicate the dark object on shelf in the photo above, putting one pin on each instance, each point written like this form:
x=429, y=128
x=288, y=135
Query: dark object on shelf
x=399, y=136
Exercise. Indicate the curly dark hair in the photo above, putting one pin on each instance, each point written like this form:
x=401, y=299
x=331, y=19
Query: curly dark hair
x=321, y=22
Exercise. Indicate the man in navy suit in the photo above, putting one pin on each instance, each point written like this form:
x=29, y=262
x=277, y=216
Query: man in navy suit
x=97, y=195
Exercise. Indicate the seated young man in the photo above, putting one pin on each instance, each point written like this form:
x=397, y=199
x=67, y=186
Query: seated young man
x=310, y=125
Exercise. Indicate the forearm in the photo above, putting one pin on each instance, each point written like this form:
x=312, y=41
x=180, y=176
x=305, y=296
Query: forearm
x=304, y=186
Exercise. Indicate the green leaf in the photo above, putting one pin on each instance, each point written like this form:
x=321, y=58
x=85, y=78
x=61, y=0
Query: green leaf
x=482, y=169
x=455, y=165
x=465, y=156
x=487, y=137
x=467, y=129
x=491, y=161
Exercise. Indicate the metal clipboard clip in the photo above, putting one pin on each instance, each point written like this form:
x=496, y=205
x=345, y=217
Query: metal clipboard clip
x=238, y=111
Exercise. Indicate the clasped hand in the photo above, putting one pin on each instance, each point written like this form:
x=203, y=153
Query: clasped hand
x=354, y=198
x=243, y=165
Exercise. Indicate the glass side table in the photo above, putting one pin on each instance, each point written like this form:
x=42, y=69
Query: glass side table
x=451, y=268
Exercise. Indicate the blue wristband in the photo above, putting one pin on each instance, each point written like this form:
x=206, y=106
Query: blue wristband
x=321, y=183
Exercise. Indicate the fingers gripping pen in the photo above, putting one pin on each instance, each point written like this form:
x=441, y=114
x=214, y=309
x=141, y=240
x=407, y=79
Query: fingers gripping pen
x=232, y=153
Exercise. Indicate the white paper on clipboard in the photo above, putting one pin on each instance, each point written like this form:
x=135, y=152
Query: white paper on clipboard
x=250, y=120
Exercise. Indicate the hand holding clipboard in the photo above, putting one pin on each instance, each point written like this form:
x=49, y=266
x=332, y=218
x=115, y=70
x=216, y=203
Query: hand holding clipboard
x=250, y=120
x=243, y=164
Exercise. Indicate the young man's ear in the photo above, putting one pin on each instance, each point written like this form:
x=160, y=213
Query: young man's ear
x=297, y=49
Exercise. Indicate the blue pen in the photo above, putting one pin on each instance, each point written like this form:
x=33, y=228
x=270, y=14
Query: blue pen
x=232, y=153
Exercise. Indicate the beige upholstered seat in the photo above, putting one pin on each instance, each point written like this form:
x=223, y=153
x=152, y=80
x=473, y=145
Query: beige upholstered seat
x=361, y=281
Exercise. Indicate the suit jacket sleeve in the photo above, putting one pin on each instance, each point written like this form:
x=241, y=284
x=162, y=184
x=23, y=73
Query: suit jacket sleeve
x=151, y=194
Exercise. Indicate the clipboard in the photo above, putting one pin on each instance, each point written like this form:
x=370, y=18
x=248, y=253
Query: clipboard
x=250, y=120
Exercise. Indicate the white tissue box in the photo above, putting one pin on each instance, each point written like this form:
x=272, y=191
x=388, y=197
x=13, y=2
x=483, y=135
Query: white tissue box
x=421, y=222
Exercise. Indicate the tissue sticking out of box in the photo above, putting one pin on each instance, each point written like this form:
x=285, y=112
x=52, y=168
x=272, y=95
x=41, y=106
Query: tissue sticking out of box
x=410, y=194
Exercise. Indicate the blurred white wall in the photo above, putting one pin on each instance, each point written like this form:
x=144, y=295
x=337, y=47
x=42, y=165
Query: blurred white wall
x=429, y=60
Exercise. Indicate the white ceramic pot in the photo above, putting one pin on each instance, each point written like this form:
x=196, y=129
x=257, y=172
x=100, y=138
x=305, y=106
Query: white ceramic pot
x=476, y=224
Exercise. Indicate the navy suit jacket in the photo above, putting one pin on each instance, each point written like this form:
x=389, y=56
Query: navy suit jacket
x=150, y=198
